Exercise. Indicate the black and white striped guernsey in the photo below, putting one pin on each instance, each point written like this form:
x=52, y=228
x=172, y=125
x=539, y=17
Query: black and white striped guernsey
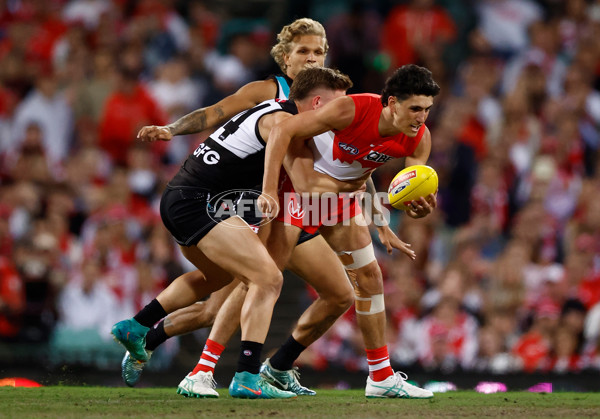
x=233, y=156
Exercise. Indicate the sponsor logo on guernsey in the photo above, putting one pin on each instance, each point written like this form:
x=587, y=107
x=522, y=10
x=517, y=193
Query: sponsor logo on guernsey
x=348, y=148
x=377, y=157
x=209, y=156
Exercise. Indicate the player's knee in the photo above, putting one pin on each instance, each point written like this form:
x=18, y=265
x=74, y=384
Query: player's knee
x=345, y=300
x=340, y=300
x=268, y=277
x=370, y=278
x=367, y=280
x=194, y=278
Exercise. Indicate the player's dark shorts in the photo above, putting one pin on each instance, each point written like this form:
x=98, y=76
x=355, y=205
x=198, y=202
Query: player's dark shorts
x=188, y=215
x=185, y=212
x=304, y=237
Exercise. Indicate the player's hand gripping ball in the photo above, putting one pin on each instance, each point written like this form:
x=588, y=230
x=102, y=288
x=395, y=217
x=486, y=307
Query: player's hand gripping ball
x=411, y=184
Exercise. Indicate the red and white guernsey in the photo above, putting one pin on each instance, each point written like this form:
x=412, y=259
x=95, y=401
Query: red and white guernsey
x=358, y=149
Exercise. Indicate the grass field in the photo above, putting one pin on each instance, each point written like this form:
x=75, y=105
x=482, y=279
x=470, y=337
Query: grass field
x=95, y=402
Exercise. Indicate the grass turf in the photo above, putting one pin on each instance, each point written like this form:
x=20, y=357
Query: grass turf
x=95, y=402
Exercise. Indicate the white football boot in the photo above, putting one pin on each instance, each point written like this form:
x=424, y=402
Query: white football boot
x=395, y=386
x=200, y=385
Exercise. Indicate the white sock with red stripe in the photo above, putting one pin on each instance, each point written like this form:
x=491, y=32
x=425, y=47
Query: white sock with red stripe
x=210, y=356
x=379, y=363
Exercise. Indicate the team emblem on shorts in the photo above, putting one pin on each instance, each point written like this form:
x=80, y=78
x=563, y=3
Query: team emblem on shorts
x=295, y=208
x=236, y=202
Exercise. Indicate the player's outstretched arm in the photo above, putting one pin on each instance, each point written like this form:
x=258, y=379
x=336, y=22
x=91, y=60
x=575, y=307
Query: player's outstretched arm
x=212, y=116
x=337, y=114
x=386, y=236
x=425, y=205
x=299, y=165
x=299, y=162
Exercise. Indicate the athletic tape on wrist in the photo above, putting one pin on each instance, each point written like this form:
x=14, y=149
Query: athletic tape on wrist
x=369, y=305
x=356, y=259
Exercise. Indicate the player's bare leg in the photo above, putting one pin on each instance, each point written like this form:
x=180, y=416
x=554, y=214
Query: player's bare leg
x=228, y=318
x=229, y=249
x=200, y=382
x=185, y=320
x=328, y=278
x=199, y=315
x=312, y=260
x=365, y=275
x=185, y=290
x=319, y=266
x=352, y=241
x=239, y=251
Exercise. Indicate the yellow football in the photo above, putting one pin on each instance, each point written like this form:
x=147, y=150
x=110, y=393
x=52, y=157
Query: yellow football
x=410, y=184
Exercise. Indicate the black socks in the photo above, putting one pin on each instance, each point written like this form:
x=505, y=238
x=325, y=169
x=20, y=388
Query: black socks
x=156, y=336
x=150, y=314
x=249, y=357
x=284, y=358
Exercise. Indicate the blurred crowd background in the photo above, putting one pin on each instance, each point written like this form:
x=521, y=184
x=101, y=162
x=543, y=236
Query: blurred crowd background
x=507, y=276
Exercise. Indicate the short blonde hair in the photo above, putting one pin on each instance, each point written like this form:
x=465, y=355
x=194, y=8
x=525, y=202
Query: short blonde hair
x=299, y=27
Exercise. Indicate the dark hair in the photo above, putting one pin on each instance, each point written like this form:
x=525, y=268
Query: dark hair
x=311, y=78
x=409, y=80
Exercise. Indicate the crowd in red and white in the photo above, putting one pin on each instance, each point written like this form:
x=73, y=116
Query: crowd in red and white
x=507, y=275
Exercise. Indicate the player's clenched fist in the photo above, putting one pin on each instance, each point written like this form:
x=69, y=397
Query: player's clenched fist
x=155, y=133
x=268, y=205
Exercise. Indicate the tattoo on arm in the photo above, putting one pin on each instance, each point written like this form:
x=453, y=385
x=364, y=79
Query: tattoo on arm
x=219, y=112
x=189, y=124
x=167, y=322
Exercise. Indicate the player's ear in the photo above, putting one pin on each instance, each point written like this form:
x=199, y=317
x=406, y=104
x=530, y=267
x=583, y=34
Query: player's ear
x=391, y=101
x=316, y=102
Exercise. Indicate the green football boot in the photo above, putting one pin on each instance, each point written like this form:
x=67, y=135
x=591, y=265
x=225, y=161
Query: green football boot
x=252, y=386
x=284, y=380
x=132, y=336
x=131, y=369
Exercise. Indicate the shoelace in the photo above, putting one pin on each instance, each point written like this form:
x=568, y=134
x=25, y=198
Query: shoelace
x=402, y=375
x=208, y=380
x=295, y=375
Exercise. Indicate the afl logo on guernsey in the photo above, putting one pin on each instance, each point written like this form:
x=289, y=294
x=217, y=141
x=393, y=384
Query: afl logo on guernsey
x=348, y=148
